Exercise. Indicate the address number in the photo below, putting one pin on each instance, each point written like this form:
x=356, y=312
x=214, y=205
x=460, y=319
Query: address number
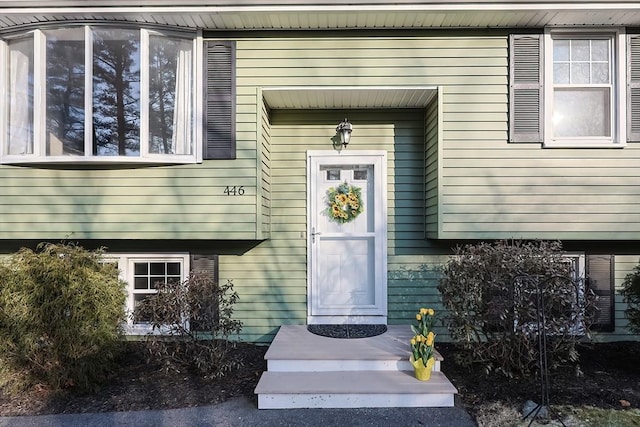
x=234, y=191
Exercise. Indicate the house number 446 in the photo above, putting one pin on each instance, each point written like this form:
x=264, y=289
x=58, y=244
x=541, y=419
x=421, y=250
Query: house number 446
x=234, y=191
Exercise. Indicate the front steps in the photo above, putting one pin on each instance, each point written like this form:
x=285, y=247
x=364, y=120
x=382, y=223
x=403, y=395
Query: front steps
x=305, y=370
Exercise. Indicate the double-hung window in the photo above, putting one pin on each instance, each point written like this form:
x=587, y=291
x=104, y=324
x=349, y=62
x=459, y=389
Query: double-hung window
x=87, y=93
x=569, y=88
x=582, y=76
x=143, y=273
x=582, y=88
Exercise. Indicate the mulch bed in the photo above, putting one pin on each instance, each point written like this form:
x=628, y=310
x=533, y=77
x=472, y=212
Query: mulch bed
x=610, y=375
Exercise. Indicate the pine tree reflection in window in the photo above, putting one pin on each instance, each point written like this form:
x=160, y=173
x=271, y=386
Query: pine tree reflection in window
x=65, y=73
x=116, y=92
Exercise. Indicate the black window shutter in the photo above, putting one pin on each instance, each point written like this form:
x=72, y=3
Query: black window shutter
x=220, y=100
x=600, y=272
x=205, y=264
x=208, y=265
x=525, y=88
x=633, y=88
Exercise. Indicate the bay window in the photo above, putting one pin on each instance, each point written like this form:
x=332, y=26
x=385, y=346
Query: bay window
x=90, y=93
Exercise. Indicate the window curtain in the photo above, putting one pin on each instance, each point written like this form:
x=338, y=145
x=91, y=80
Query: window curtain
x=20, y=131
x=182, y=111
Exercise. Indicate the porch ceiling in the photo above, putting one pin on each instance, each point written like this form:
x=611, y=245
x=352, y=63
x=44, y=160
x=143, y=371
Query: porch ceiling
x=329, y=14
x=348, y=97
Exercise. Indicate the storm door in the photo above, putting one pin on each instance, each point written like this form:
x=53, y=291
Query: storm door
x=347, y=238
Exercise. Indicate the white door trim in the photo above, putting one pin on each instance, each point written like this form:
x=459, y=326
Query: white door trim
x=377, y=158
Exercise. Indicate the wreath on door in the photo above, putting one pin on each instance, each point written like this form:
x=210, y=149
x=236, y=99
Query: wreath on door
x=344, y=203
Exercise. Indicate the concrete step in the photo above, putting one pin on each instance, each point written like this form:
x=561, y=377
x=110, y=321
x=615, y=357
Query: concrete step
x=295, y=349
x=310, y=371
x=352, y=389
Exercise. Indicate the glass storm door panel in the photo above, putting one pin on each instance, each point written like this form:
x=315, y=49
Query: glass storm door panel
x=347, y=245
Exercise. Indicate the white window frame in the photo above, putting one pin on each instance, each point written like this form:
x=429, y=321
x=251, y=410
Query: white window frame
x=618, y=94
x=39, y=124
x=578, y=259
x=126, y=263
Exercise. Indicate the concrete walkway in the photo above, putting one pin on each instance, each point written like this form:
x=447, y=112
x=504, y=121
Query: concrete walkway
x=244, y=412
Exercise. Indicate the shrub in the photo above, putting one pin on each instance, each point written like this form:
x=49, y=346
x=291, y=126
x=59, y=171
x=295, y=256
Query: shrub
x=194, y=318
x=490, y=291
x=61, y=313
x=631, y=294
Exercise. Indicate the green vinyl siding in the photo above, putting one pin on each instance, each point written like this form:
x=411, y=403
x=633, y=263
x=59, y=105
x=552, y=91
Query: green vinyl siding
x=372, y=61
x=451, y=157
x=432, y=165
x=528, y=192
x=470, y=73
x=172, y=202
x=452, y=175
x=273, y=276
x=263, y=163
x=491, y=189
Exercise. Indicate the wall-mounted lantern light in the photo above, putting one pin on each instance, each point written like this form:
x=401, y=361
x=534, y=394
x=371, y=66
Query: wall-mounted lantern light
x=344, y=130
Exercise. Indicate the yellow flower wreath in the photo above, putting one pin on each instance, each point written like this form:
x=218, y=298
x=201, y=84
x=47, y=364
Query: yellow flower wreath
x=344, y=203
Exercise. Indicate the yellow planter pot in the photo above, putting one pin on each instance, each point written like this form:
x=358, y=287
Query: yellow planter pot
x=423, y=373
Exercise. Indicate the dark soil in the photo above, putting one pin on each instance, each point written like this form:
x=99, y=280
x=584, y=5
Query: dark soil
x=610, y=379
x=139, y=385
x=607, y=376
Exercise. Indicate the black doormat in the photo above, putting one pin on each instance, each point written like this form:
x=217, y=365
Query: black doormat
x=347, y=331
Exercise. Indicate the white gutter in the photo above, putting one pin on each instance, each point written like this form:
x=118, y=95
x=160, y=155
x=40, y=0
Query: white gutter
x=441, y=7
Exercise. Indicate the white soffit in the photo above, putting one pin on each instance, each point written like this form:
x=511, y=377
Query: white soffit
x=344, y=14
x=347, y=97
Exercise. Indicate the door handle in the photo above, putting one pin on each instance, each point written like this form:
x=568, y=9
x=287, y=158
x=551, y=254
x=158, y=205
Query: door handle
x=314, y=234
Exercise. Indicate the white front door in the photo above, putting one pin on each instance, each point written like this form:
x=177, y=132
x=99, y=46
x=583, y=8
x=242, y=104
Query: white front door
x=347, y=237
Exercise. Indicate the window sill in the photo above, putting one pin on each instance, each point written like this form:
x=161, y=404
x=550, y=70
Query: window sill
x=145, y=329
x=583, y=144
x=115, y=160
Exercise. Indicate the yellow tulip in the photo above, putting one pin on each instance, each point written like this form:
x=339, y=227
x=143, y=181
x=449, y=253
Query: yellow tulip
x=431, y=312
x=430, y=338
x=424, y=311
x=418, y=317
x=413, y=341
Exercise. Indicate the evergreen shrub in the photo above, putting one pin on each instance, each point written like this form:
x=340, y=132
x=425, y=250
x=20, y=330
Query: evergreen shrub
x=61, y=315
